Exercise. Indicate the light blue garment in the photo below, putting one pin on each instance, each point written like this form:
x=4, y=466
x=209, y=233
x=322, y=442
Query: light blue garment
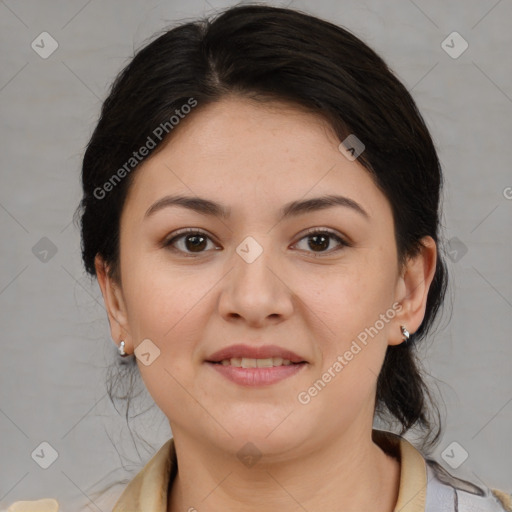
x=446, y=493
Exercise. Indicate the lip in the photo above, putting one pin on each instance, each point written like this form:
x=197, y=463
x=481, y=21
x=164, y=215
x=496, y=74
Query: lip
x=251, y=352
x=257, y=376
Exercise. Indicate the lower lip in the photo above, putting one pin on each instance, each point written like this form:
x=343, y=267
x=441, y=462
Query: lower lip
x=257, y=376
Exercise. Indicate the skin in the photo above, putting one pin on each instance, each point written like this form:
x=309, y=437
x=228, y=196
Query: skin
x=315, y=300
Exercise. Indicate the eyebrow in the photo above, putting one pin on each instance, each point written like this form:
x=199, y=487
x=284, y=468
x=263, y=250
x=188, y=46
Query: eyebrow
x=295, y=208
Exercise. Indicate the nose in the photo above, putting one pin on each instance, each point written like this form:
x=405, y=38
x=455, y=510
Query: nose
x=256, y=291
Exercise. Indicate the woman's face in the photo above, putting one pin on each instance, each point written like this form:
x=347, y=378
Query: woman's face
x=257, y=277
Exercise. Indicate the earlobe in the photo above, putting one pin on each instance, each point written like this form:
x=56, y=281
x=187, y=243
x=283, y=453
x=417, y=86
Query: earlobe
x=114, y=302
x=412, y=289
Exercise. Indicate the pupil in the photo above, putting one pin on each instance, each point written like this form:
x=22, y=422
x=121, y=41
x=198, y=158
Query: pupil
x=195, y=245
x=316, y=237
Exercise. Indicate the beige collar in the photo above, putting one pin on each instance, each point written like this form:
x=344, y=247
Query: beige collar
x=148, y=490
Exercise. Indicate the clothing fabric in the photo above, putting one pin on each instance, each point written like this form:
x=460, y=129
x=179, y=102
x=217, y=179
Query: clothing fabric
x=425, y=486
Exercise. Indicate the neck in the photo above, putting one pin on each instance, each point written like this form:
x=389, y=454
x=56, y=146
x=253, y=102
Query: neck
x=349, y=473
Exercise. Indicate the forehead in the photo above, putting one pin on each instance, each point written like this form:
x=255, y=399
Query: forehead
x=242, y=152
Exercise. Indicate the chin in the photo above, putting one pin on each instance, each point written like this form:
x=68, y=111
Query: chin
x=255, y=444
x=271, y=433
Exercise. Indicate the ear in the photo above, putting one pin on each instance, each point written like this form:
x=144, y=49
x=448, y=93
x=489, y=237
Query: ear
x=412, y=289
x=114, y=303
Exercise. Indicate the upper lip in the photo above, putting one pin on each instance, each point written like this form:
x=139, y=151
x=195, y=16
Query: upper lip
x=251, y=352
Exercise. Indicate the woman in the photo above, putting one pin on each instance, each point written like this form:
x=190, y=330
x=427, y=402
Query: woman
x=261, y=209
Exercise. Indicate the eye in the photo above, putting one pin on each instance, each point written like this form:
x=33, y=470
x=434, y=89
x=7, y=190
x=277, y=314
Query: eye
x=192, y=241
x=188, y=241
x=320, y=240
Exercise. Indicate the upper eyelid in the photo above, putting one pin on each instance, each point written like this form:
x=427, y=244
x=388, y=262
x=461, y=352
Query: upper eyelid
x=329, y=231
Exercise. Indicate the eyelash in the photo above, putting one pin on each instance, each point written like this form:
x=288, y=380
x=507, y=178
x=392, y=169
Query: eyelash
x=313, y=231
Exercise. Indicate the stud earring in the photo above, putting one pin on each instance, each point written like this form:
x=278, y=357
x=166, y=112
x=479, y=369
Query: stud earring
x=122, y=353
x=405, y=333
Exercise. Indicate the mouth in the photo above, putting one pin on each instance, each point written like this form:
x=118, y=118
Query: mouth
x=256, y=372
x=249, y=365
x=252, y=365
x=246, y=362
x=252, y=356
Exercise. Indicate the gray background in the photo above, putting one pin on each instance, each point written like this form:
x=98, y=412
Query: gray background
x=55, y=338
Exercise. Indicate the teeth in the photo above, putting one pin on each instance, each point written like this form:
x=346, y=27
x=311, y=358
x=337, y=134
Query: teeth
x=249, y=363
x=246, y=362
x=263, y=363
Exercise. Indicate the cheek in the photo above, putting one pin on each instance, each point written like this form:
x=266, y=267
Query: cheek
x=174, y=308
x=171, y=310
x=163, y=304
x=350, y=304
x=352, y=348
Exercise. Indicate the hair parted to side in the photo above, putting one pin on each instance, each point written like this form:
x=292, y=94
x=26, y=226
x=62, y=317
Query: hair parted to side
x=269, y=53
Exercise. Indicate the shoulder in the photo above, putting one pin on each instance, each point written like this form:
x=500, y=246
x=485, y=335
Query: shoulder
x=444, y=489
x=44, y=505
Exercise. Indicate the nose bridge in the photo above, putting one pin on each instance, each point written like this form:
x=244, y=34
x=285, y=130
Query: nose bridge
x=254, y=291
x=252, y=259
